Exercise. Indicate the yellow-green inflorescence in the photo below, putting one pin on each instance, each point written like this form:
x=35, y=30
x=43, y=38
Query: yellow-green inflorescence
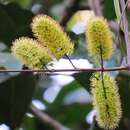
x=106, y=101
x=30, y=53
x=51, y=35
x=99, y=38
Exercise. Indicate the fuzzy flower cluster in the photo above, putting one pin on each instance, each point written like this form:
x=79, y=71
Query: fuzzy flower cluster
x=99, y=37
x=30, y=53
x=51, y=42
x=51, y=35
x=106, y=101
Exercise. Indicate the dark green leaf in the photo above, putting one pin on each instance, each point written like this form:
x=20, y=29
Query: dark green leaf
x=28, y=123
x=15, y=22
x=109, y=10
x=15, y=96
x=84, y=79
x=123, y=81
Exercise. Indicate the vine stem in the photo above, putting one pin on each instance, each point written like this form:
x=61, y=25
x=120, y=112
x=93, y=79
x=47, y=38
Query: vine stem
x=68, y=70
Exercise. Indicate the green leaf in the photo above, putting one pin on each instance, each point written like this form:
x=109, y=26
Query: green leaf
x=7, y=26
x=109, y=10
x=15, y=96
x=28, y=123
x=23, y=3
x=15, y=22
x=123, y=81
x=84, y=79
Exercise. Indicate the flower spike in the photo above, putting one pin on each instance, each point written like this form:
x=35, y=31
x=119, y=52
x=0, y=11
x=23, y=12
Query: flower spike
x=51, y=35
x=99, y=37
x=30, y=53
x=106, y=101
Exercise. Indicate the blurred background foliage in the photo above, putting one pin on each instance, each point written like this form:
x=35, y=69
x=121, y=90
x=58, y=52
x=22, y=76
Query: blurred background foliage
x=65, y=97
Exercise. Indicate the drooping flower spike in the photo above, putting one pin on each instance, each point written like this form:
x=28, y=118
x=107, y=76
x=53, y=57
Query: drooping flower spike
x=106, y=101
x=30, y=53
x=51, y=35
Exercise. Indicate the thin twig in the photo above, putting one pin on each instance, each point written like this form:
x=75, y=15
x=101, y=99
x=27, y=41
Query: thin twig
x=43, y=73
x=126, y=30
x=102, y=66
x=102, y=73
x=68, y=70
x=70, y=61
x=47, y=68
x=69, y=11
x=102, y=78
x=43, y=117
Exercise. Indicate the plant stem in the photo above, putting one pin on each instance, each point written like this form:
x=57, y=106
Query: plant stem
x=102, y=78
x=68, y=70
x=102, y=70
x=70, y=61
